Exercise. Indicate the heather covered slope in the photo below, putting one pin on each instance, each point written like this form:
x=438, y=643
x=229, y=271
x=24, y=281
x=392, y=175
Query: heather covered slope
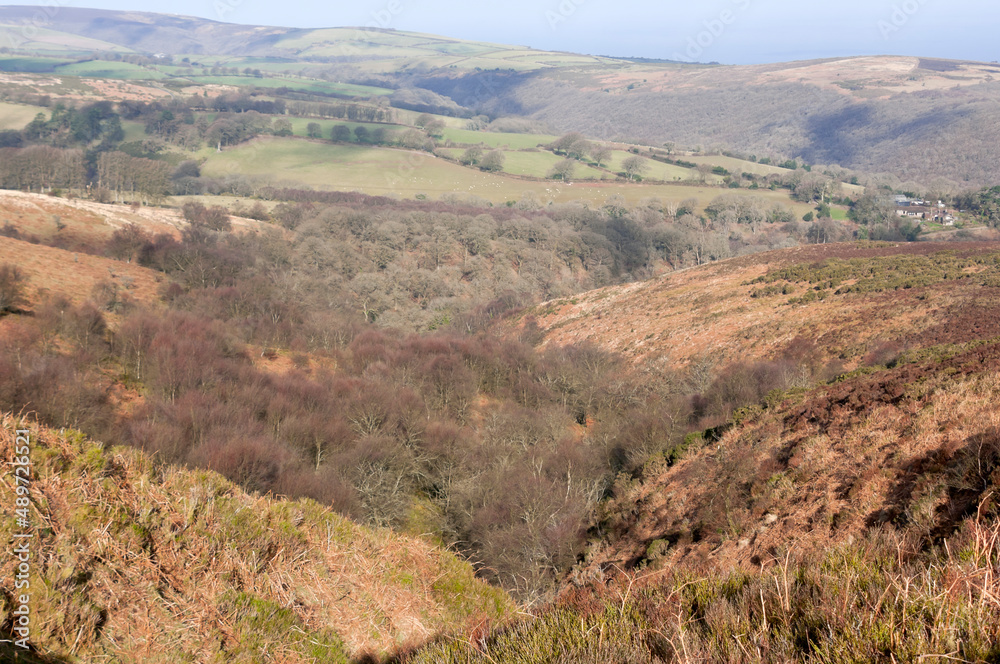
x=141, y=562
x=842, y=519
x=841, y=303
x=915, y=448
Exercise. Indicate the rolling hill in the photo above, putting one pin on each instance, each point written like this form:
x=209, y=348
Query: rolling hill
x=787, y=452
x=140, y=31
x=917, y=119
x=930, y=123
x=380, y=50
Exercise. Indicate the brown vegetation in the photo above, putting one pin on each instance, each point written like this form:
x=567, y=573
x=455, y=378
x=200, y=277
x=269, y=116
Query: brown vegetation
x=138, y=561
x=856, y=521
x=719, y=314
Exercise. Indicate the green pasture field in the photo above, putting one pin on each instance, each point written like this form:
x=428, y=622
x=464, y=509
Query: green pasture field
x=733, y=164
x=655, y=170
x=116, y=70
x=538, y=164
x=496, y=139
x=406, y=174
x=29, y=65
x=535, y=164
x=293, y=84
x=134, y=131
x=17, y=116
x=299, y=126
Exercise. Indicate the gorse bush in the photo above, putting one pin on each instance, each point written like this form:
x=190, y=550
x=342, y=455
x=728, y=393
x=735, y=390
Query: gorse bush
x=12, y=295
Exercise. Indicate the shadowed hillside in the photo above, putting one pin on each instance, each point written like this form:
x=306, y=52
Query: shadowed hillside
x=906, y=116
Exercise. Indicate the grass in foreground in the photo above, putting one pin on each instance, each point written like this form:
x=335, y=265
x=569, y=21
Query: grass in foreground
x=159, y=564
x=872, y=601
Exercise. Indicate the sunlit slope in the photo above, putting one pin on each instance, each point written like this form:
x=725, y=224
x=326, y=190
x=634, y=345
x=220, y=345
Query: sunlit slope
x=847, y=300
x=139, y=562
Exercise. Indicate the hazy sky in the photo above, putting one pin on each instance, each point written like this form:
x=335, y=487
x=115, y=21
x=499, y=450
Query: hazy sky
x=728, y=31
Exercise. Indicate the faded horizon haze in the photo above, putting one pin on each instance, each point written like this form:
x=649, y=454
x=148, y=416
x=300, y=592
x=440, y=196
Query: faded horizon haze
x=726, y=31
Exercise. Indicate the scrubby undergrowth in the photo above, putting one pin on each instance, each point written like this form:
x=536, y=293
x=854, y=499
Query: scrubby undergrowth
x=855, y=522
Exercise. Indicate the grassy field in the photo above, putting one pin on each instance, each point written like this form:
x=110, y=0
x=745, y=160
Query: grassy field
x=116, y=70
x=29, y=65
x=16, y=116
x=294, y=84
x=734, y=164
x=538, y=164
x=134, y=131
x=655, y=170
x=496, y=139
x=299, y=126
x=407, y=174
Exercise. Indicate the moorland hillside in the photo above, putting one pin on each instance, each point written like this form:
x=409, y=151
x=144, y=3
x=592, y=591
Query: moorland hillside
x=856, y=521
x=851, y=518
x=843, y=302
x=920, y=120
